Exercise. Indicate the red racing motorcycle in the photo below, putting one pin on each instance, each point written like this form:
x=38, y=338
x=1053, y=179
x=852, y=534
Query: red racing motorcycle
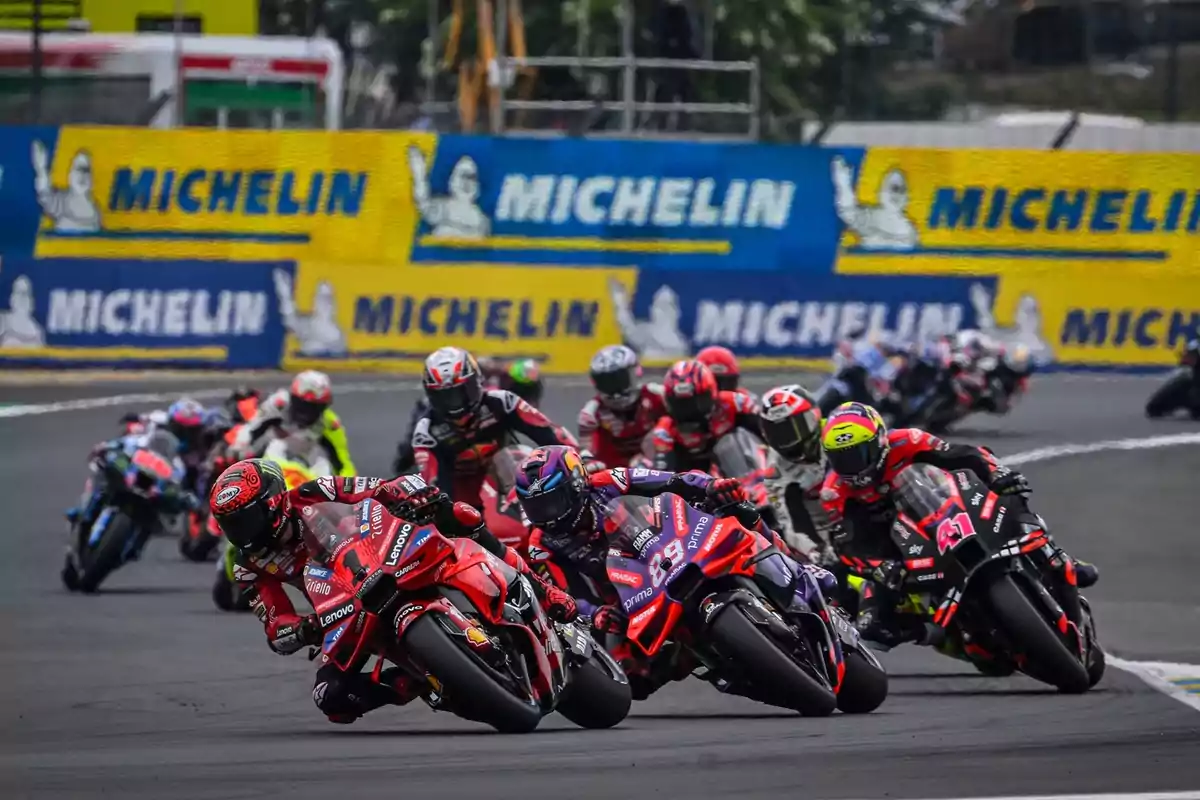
x=454, y=617
x=501, y=511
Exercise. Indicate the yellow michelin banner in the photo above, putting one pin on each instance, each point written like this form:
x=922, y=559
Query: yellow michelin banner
x=1089, y=259
x=342, y=215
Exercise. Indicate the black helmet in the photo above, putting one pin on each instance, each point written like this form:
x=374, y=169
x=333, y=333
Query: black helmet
x=249, y=502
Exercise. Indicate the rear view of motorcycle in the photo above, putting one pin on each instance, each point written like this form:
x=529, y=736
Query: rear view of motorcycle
x=982, y=568
x=127, y=492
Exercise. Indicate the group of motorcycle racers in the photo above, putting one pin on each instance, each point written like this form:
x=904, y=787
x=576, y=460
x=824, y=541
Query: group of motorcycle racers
x=831, y=457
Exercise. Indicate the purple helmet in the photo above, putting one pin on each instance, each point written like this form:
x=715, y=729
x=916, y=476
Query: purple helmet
x=552, y=488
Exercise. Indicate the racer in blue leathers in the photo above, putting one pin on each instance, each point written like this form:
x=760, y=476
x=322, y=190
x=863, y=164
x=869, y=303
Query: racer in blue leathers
x=198, y=428
x=863, y=371
x=114, y=456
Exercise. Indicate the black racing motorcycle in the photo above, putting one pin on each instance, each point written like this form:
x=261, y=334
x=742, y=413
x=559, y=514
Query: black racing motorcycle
x=981, y=567
x=1182, y=387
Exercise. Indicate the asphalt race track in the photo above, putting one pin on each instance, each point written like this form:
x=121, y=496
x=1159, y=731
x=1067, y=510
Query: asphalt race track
x=147, y=691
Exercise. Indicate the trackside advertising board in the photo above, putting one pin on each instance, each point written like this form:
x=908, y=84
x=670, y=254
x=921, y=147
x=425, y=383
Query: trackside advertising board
x=366, y=250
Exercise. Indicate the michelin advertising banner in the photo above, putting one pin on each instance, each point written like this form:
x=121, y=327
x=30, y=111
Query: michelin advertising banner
x=366, y=250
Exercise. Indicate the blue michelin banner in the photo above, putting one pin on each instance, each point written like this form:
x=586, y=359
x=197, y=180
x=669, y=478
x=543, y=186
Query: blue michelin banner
x=91, y=312
x=788, y=315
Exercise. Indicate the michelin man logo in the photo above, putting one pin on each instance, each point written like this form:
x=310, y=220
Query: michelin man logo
x=72, y=208
x=658, y=336
x=455, y=215
x=317, y=332
x=1026, y=329
x=18, y=328
x=882, y=226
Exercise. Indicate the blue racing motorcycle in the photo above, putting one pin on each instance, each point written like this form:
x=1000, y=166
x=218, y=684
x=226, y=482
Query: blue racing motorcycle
x=132, y=484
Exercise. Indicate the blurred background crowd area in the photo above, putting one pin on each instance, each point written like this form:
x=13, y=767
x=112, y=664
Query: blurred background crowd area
x=836, y=71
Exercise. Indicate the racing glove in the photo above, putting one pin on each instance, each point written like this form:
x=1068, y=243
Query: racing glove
x=418, y=505
x=610, y=620
x=1007, y=481
x=725, y=492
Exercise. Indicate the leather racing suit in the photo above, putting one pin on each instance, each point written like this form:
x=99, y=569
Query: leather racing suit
x=794, y=489
x=253, y=437
x=681, y=448
x=342, y=695
x=578, y=561
x=866, y=514
x=615, y=436
x=457, y=458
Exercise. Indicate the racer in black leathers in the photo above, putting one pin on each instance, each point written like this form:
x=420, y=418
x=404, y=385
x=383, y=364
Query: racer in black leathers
x=521, y=377
x=455, y=441
x=864, y=458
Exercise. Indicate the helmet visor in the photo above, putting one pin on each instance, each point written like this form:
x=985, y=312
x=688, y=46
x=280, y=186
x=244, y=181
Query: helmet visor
x=616, y=387
x=856, y=463
x=727, y=382
x=458, y=400
x=692, y=409
x=250, y=528
x=305, y=413
x=546, y=508
x=794, y=436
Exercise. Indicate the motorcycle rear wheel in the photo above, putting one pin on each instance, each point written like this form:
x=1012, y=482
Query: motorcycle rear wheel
x=97, y=562
x=769, y=668
x=1052, y=662
x=465, y=680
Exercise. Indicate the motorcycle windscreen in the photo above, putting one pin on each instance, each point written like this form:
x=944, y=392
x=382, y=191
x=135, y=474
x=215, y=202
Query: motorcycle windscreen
x=329, y=528
x=922, y=490
x=736, y=454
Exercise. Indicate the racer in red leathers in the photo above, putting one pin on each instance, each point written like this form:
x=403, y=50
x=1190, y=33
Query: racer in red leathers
x=262, y=518
x=864, y=458
x=698, y=414
x=466, y=425
x=725, y=369
x=614, y=423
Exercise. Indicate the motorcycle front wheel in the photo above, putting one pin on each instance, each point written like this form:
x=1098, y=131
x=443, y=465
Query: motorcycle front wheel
x=598, y=695
x=96, y=563
x=1049, y=658
x=465, y=681
x=771, y=670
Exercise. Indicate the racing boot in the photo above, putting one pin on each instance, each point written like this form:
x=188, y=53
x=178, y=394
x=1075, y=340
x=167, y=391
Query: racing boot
x=346, y=697
x=880, y=624
x=557, y=604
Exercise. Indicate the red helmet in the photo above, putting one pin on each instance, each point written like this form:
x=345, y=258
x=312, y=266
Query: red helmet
x=724, y=366
x=249, y=502
x=690, y=392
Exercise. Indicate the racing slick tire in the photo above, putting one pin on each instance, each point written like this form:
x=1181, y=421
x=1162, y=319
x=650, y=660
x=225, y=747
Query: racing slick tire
x=864, y=686
x=1049, y=657
x=597, y=697
x=95, y=563
x=770, y=669
x=465, y=680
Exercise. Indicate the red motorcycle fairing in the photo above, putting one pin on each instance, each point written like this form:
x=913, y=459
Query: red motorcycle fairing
x=374, y=554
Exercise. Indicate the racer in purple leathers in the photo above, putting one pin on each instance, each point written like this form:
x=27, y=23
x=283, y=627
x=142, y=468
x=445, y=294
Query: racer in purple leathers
x=563, y=504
